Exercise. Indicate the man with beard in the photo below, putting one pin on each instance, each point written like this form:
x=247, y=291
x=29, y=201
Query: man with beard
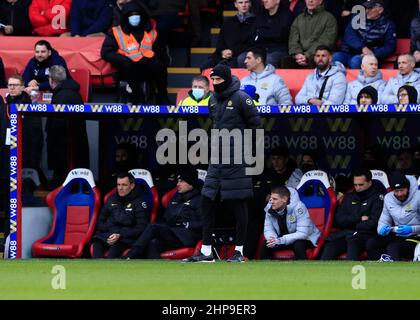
x=37, y=70
x=399, y=223
x=327, y=85
x=357, y=217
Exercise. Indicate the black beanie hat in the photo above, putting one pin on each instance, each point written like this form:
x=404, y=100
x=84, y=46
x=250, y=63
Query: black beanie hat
x=222, y=71
x=190, y=176
x=371, y=91
x=399, y=180
x=411, y=91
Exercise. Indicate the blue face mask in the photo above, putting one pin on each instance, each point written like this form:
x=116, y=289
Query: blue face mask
x=198, y=93
x=134, y=20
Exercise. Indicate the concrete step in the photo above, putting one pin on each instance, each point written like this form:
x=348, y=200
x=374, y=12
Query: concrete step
x=181, y=77
x=229, y=13
x=199, y=55
x=214, y=35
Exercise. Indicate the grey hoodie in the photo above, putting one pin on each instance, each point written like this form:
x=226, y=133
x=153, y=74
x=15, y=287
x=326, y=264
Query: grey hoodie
x=397, y=213
x=389, y=95
x=335, y=89
x=354, y=87
x=299, y=223
x=270, y=87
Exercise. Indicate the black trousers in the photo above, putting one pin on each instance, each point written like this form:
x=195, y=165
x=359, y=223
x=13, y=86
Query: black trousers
x=150, y=70
x=299, y=248
x=240, y=210
x=155, y=239
x=396, y=247
x=353, y=244
x=115, y=251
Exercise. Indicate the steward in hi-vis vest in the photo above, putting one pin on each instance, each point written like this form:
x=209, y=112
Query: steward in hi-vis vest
x=200, y=94
x=133, y=47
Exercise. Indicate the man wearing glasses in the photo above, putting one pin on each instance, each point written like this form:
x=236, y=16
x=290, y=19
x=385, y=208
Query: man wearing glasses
x=32, y=126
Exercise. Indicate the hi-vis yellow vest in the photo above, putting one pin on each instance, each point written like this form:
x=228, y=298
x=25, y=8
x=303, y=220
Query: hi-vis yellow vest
x=129, y=46
x=191, y=102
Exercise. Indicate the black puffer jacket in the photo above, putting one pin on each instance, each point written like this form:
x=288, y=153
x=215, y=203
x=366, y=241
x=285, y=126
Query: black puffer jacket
x=357, y=204
x=127, y=216
x=231, y=109
x=184, y=216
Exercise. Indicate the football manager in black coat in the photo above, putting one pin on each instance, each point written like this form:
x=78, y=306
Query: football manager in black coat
x=122, y=220
x=230, y=109
x=62, y=133
x=183, y=222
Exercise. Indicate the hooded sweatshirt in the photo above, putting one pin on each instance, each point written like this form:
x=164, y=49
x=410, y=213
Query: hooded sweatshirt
x=371, y=91
x=335, y=89
x=390, y=92
x=299, y=223
x=397, y=213
x=354, y=87
x=270, y=87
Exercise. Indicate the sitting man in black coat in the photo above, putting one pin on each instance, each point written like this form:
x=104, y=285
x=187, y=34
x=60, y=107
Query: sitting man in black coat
x=182, y=226
x=357, y=217
x=62, y=133
x=122, y=220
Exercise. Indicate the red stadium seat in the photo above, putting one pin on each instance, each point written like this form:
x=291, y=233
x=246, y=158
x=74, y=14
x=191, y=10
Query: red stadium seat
x=182, y=94
x=319, y=197
x=75, y=206
x=403, y=46
x=10, y=71
x=82, y=77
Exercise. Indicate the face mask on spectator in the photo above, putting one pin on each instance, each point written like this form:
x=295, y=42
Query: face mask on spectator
x=134, y=20
x=198, y=93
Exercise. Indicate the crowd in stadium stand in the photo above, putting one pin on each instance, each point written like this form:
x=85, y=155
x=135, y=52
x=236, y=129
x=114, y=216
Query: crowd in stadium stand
x=327, y=36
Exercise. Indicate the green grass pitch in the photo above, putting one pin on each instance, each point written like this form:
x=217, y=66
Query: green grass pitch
x=163, y=280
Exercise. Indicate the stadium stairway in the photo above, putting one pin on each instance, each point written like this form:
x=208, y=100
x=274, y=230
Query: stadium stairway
x=199, y=55
x=214, y=34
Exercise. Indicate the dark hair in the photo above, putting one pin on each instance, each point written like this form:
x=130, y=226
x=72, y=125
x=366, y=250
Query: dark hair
x=128, y=175
x=282, y=191
x=363, y=173
x=202, y=78
x=322, y=48
x=259, y=52
x=43, y=43
x=312, y=154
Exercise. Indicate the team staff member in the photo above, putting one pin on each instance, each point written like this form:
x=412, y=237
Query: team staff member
x=230, y=109
x=199, y=95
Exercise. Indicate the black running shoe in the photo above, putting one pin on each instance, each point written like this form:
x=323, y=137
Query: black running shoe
x=199, y=257
x=236, y=257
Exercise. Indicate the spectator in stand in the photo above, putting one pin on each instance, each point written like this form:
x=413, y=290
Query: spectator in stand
x=406, y=75
x=357, y=217
x=377, y=36
x=2, y=75
x=32, y=134
x=14, y=15
x=370, y=75
x=50, y=18
x=312, y=28
x=233, y=37
x=182, y=225
x=62, y=134
x=200, y=94
x=399, y=225
x=327, y=85
x=270, y=87
x=366, y=96
x=288, y=224
x=134, y=49
x=90, y=18
x=402, y=13
x=37, y=70
x=122, y=220
x=407, y=95
x=415, y=39
x=308, y=162
x=271, y=31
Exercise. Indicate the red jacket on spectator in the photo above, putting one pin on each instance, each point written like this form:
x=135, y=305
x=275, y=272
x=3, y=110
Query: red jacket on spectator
x=42, y=14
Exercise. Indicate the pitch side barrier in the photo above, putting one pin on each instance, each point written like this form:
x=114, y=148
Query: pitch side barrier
x=16, y=111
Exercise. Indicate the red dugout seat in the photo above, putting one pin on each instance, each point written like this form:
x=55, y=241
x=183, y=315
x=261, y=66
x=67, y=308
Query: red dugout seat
x=75, y=206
